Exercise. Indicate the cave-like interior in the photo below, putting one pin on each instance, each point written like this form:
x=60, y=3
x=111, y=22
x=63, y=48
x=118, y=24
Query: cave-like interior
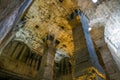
x=59, y=39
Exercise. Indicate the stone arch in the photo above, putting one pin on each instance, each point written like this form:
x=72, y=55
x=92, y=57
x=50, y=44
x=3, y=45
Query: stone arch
x=63, y=69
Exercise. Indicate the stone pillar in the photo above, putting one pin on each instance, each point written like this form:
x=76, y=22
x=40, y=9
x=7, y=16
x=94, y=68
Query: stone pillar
x=17, y=51
x=24, y=51
x=86, y=61
x=47, y=63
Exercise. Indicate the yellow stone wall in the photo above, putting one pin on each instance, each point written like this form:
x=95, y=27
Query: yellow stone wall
x=48, y=17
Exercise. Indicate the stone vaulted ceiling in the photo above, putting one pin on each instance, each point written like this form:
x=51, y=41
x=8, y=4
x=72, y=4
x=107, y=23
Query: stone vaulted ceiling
x=48, y=17
x=51, y=17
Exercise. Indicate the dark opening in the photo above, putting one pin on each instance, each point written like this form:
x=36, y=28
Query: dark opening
x=61, y=0
x=57, y=42
x=36, y=26
x=62, y=27
x=64, y=46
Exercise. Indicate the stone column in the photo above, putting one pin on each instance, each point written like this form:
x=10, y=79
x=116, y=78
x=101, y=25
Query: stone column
x=47, y=63
x=86, y=61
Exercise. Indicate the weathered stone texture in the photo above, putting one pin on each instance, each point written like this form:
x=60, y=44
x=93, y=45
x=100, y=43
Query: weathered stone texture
x=109, y=63
x=107, y=15
x=47, y=17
